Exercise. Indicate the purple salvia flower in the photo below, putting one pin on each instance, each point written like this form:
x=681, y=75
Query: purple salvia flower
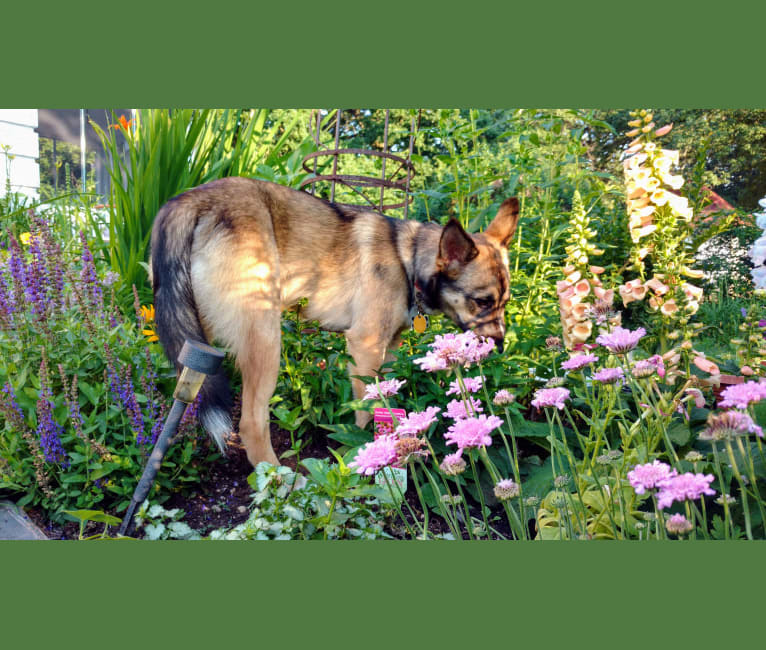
x=48, y=430
x=89, y=279
x=621, y=340
x=37, y=282
x=10, y=407
x=18, y=269
x=7, y=302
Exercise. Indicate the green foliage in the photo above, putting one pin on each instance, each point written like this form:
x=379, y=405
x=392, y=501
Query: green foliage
x=332, y=503
x=74, y=365
x=169, y=151
x=157, y=522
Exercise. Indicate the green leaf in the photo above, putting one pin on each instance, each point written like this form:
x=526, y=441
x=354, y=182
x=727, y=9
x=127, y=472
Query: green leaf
x=679, y=433
x=348, y=434
x=94, y=515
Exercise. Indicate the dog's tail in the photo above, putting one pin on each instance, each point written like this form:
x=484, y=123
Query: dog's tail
x=176, y=315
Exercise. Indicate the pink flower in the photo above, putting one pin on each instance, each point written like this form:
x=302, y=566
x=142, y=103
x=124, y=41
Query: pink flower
x=621, y=340
x=414, y=423
x=683, y=487
x=472, y=384
x=647, y=367
x=550, y=397
x=375, y=455
x=608, y=375
x=503, y=398
x=453, y=464
x=452, y=350
x=457, y=411
x=678, y=525
x=650, y=475
x=579, y=361
x=728, y=424
x=506, y=489
x=740, y=395
x=383, y=389
x=472, y=432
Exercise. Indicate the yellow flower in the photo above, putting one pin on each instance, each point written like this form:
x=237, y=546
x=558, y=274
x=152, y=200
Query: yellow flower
x=150, y=334
x=147, y=313
x=25, y=238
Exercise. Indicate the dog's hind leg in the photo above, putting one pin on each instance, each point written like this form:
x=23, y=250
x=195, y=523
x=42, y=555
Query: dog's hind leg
x=236, y=284
x=259, y=365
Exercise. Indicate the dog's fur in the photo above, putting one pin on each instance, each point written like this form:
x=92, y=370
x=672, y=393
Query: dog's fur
x=227, y=257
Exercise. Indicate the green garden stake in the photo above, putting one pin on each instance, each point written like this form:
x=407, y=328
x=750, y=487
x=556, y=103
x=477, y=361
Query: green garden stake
x=198, y=360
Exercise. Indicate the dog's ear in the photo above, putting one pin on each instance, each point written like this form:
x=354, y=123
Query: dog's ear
x=456, y=248
x=503, y=226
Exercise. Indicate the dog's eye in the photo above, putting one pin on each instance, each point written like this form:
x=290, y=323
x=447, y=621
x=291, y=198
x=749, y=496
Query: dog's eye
x=484, y=303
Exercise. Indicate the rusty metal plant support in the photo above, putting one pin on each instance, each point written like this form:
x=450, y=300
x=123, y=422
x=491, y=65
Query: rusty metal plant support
x=355, y=182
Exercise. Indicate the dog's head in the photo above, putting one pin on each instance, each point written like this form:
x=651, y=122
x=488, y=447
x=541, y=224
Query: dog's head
x=472, y=273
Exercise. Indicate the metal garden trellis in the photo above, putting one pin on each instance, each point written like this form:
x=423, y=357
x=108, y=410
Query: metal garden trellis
x=354, y=182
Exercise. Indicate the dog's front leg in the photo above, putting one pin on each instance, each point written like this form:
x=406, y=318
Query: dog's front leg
x=368, y=350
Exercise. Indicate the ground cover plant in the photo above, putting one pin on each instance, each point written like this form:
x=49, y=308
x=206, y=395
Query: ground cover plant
x=628, y=402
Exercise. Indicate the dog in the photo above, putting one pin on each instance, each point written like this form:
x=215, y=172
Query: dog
x=229, y=256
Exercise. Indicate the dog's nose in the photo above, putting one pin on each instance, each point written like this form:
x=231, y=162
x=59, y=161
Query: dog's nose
x=499, y=343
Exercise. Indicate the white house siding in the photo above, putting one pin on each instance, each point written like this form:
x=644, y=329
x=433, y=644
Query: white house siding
x=17, y=131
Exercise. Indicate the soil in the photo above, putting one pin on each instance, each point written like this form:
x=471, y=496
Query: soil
x=223, y=497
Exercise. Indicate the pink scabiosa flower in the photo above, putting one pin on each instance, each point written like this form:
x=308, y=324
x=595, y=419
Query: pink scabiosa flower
x=453, y=464
x=503, y=398
x=550, y=397
x=383, y=389
x=453, y=350
x=684, y=487
x=375, y=455
x=472, y=385
x=608, y=375
x=650, y=476
x=740, y=395
x=678, y=525
x=647, y=367
x=579, y=361
x=727, y=425
x=621, y=340
x=456, y=409
x=472, y=432
x=409, y=447
x=416, y=423
x=506, y=489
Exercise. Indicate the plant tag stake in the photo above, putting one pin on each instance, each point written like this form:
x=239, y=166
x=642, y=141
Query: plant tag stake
x=384, y=425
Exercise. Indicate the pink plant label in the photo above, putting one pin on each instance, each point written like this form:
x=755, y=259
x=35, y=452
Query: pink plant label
x=384, y=423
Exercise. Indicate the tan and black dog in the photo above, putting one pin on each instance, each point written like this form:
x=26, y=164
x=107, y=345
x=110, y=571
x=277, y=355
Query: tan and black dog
x=227, y=257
